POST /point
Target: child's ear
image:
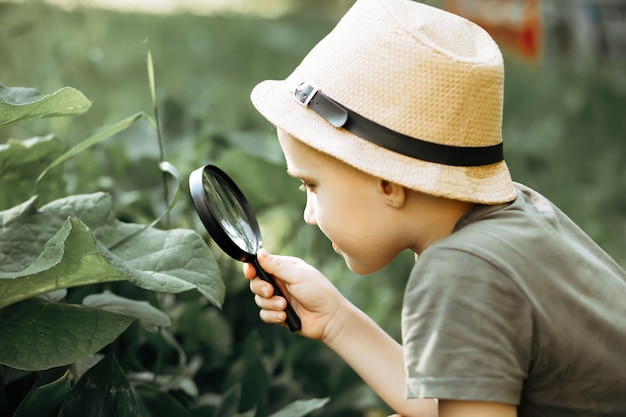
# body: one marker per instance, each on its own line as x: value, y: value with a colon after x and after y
x: 394, y: 194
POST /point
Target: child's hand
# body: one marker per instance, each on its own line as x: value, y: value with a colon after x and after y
x: 310, y: 294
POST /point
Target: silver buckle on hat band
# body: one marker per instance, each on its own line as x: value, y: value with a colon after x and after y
x: 313, y: 98
x: 304, y: 93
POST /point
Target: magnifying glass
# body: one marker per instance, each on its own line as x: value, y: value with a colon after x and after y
x: 230, y: 221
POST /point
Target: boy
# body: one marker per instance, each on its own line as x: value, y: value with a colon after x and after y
x: 393, y: 125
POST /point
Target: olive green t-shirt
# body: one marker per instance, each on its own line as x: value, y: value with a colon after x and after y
x: 518, y: 306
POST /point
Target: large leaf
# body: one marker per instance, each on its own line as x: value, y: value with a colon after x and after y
x: 36, y: 334
x: 41, y: 400
x: 72, y: 257
x: 103, y: 391
x: 46, y: 249
x: 301, y: 408
x: 19, y: 160
x: 172, y: 261
x: 20, y: 104
x: 150, y: 317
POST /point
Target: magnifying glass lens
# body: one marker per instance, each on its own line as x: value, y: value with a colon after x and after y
x: 229, y: 212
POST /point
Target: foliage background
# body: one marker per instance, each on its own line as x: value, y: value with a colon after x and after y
x: 564, y: 136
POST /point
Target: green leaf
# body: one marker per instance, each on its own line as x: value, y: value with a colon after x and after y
x: 172, y: 261
x: 20, y: 104
x: 41, y: 400
x: 166, y: 168
x: 250, y: 413
x: 48, y: 249
x: 103, y: 134
x: 249, y: 373
x: 151, y: 82
x: 151, y: 317
x: 159, y: 403
x: 72, y: 257
x: 19, y: 160
x: 205, y: 331
x: 103, y: 391
x: 36, y: 334
x: 301, y: 408
x: 230, y: 402
x: 255, y: 380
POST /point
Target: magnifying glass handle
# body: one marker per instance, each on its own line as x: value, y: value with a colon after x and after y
x: 293, y: 321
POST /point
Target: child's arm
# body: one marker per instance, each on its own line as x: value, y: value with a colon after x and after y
x: 450, y: 408
x: 328, y: 316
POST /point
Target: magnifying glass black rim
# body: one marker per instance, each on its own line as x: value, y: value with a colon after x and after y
x: 211, y: 222
x: 209, y: 217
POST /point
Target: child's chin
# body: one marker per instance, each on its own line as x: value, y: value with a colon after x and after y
x: 356, y: 267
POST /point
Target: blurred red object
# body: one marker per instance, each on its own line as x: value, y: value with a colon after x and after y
x: 516, y: 25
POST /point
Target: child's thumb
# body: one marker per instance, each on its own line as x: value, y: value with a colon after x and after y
x: 273, y: 264
x: 263, y: 253
x: 265, y: 259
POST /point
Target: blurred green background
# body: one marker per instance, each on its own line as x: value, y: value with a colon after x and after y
x: 564, y: 135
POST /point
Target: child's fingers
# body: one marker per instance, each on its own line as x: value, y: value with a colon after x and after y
x: 248, y: 270
x: 271, y: 309
x: 270, y: 304
x: 261, y: 288
x: 273, y: 317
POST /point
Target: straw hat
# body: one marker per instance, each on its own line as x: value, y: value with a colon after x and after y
x: 405, y: 92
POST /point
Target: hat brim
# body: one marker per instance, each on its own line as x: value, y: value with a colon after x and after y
x: 489, y: 184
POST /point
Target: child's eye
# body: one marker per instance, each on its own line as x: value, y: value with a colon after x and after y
x: 306, y: 186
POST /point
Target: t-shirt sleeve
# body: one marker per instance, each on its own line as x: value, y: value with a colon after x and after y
x: 466, y: 329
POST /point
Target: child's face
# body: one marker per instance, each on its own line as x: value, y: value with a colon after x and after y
x: 346, y: 204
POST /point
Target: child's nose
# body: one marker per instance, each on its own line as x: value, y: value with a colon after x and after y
x: 309, y: 214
